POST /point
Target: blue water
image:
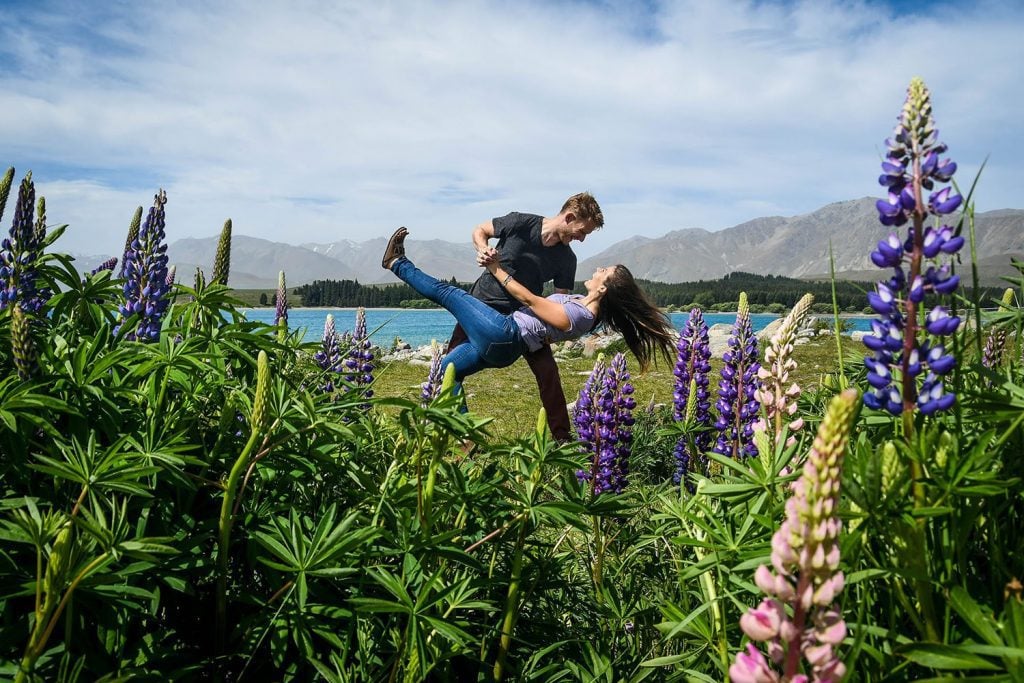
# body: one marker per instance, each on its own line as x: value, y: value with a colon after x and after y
x: 418, y: 327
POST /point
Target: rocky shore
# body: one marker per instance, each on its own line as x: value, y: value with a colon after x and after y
x: 591, y: 345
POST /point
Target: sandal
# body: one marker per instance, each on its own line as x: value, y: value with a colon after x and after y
x: 395, y: 248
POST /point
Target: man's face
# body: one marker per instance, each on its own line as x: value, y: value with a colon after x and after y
x: 576, y: 229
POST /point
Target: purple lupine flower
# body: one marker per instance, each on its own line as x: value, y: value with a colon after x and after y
x: 583, y: 413
x: 776, y: 393
x: 18, y: 254
x: 359, y: 364
x: 909, y: 362
x: 329, y: 355
x: 807, y: 578
x: 604, y: 421
x: 693, y: 363
x: 145, y: 268
x: 109, y: 264
x: 171, y: 274
x: 432, y: 387
x: 737, y: 402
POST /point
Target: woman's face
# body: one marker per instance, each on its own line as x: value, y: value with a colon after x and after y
x: 598, y: 279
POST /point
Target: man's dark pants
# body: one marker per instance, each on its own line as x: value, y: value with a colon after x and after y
x: 549, y: 384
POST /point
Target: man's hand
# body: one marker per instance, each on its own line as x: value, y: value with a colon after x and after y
x: 487, y: 256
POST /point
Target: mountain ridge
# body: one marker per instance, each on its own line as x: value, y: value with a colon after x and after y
x: 795, y: 246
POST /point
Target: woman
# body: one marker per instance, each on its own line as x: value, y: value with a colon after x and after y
x: 496, y: 340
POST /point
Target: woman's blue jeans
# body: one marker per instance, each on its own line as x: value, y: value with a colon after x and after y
x: 494, y: 339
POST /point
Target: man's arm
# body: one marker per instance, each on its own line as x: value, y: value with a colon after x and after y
x: 550, y: 312
x: 481, y: 235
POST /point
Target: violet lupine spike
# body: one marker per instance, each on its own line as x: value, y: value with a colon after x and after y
x: 737, y: 404
x: 18, y: 254
x: 693, y: 365
x: 145, y: 269
x: 172, y: 272
x: 359, y: 364
x: 909, y: 361
x: 604, y: 419
x: 329, y: 355
x: 584, y: 415
x: 776, y: 393
x: 800, y: 620
x: 430, y: 389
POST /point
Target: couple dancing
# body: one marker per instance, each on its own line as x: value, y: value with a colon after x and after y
x: 504, y: 317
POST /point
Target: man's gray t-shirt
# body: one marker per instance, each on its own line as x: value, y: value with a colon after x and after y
x: 526, y: 259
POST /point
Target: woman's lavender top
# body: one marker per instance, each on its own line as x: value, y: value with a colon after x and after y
x: 536, y: 332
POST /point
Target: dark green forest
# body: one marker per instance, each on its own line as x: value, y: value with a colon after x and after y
x: 765, y: 293
x: 349, y: 293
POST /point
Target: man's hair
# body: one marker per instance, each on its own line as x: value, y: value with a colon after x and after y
x: 584, y: 207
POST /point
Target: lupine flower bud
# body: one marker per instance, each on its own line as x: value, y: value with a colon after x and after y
x: 737, y: 404
x: 58, y: 562
x: 604, y: 419
x: 259, y: 404
x: 776, y: 393
x: 5, y: 189
x: 807, y: 579
x: 109, y: 264
x: 222, y: 261
x: 281, y: 306
x: 133, y: 235
x: 23, y: 346
x: 145, y: 268
x: 693, y: 364
x: 995, y: 343
x: 171, y: 272
x: 432, y: 387
x: 902, y: 353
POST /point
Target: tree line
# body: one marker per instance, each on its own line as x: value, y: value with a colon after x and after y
x: 768, y: 293
x: 351, y: 294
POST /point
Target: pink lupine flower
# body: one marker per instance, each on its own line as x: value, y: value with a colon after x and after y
x: 799, y: 619
x: 778, y: 399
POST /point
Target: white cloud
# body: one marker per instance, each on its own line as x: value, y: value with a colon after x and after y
x: 327, y: 121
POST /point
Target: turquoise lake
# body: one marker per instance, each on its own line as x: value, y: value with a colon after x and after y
x: 419, y: 327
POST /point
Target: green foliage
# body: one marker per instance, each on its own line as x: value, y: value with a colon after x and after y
x: 196, y: 508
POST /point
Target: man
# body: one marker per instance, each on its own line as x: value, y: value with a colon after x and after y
x: 534, y: 250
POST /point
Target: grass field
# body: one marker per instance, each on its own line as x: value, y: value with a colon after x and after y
x: 509, y: 395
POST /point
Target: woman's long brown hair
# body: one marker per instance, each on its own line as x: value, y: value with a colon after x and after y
x: 625, y: 308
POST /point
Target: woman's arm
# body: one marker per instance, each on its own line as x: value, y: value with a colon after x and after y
x: 550, y: 312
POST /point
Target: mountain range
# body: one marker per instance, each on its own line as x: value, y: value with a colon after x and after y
x: 796, y: 246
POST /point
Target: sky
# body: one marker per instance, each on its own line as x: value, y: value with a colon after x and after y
x: 312, y: 121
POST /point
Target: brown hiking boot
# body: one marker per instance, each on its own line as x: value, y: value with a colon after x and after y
x: 395, y: 248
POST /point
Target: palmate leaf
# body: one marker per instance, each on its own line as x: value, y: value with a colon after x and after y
x: 99, y: 469
x: 25, y: 403
x: 319, y: 553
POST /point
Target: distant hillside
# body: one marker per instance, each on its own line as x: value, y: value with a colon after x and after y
x: 797, y: 246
